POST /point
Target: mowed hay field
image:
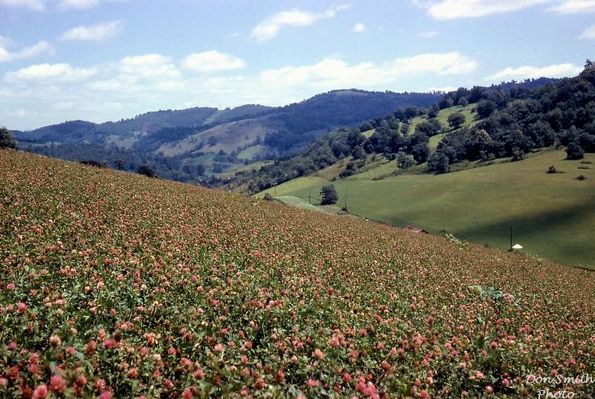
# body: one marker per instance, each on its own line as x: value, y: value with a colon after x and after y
x: 117, y: 285
x: 552, y: 215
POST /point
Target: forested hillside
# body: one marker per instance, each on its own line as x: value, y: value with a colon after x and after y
x: 199, y: 144
x: 483, y: 124
x: 556, y: 114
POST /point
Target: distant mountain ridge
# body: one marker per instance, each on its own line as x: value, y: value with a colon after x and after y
x: 146, y: 123
x: 208, y: 145
x: 209, y: 140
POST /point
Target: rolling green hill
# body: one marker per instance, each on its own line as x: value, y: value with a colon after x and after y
x: 468, y: 111
x: 552, y: 215
x: 495, y: 123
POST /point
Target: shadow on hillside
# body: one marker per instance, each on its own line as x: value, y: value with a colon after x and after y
x: 542, y: 226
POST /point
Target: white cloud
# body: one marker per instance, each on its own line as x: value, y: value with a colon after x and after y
x: 148, y: 66
x: 588, y: 33
x: 359, y: 27
x: 574, y: 7
x: 5, y: 55
x: 144, y: 76
x: 83, y: 4
x: 443, y: 64
x: 428, y: 34
x: 24, y: 113
x: 41, y: 5
x: 533, y: 72
x: 79, y: 4
x: 332, y: 73
x: 453, y: 9
x: 49, y: 73
x: 270, y: 27
x: 212, y: 61
x: 97, y: 32
x: 444, y: 89
x: 37, y: 5
x: 40, y: 48
x: 154, y: 81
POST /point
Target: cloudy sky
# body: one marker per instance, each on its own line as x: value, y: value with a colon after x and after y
x: 103, y: 60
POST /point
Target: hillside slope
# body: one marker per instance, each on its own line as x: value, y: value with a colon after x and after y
x: 175, y: 142
x: 552, y: 215
x: 121, y: 285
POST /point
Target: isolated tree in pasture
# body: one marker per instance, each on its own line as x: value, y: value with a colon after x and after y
x: 574, y: 151
x: 329, y: 195
x: 456, y: 120
x: 6, y: 139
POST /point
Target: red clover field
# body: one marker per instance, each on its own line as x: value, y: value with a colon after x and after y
x: 115, y: 285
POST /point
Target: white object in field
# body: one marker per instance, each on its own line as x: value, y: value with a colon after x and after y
x: 517, y: 246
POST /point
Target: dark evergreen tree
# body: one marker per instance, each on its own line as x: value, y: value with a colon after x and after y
x: 430, y: 128
x: 456, y: 120
x: 438, y: 163
x: 433, y: 111
x: 146, y: 170
x: 485, y: 108
x: 329, y: 195
x: 574, y: 151
x: 404, y: 161
x: 420, y: 152
x: 410, y: 112
x: 355, y: 138
x: 404, y: 130
x: 6, y: 139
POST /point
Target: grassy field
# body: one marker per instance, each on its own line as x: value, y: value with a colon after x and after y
x: 333, y: 170
x: 552, y: 215
x: 226, y: 138
x: 368, y: 133
x: 243, y: 168
x: 251, y: 152
x: 115, y: 285
x: 468, y: 111
x: 435, y: 140
x: 298, y: 203
x: 378, y: 169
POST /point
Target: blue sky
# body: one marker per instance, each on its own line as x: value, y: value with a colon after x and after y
x: 103, y: 60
